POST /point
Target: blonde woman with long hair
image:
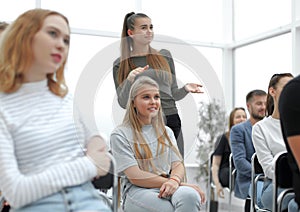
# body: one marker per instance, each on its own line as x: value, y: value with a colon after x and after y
x: 148, y: 160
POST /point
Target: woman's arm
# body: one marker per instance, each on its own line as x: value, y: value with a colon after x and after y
x: 20, y: 189
x: 177, y: 93
x: 144, y: 179
x: 216, y: 162
x: 96, y: 151
x: 294, y: 142
x: 264, y: 154
x: 238, y: 149
x: 124, y: 88
x: 177, y: 171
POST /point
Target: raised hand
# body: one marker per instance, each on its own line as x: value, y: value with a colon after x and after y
x: 193, y: 88
x: 131, y: 76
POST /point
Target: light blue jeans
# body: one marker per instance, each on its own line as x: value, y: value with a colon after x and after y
x: 142, y: 199
x: 293, y: 206
x: 77, y: 198
x: 267, y: 196
x: 260, y: 185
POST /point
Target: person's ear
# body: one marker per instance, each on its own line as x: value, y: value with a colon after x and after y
x: 129, y: 32
x: 248, y: 105
x: 272, y: 91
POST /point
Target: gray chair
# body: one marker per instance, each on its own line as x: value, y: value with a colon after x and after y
x: 283, y: 178
x: 212, y: 186
x: 257, y: 174
x: 109, y: 181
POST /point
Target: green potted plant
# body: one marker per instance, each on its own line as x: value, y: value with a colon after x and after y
x: 212, y: 123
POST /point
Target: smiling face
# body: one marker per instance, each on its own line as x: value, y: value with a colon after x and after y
x: 239, y: 116
x: 50, y: 48
x: 147, y: 103
x: 257, y: 106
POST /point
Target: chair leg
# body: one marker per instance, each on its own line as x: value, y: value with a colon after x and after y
x: 247, y: 205
x: 5, y: 208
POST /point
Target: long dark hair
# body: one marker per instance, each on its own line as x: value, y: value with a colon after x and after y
x: 273, y: 83
x: 156, y: 60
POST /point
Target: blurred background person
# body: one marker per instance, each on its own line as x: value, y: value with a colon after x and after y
x: 220, y: 160
x: 289, y: 109
x: 267, y: 137
x: 43, y: 162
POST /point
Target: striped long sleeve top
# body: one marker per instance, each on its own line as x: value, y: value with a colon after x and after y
x: 41, y: 145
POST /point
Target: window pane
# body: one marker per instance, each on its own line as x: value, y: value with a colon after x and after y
x: 82, y: 49
x: 188, y: 107
x: 93, y: 14
x: 214, y: 57
x: 191, y: 20
x: 9, y: 11
x: 255, y: 64
x: 92, y: 57
x: 256, y: 16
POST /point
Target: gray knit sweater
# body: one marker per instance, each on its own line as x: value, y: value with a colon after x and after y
x: 169, y: 90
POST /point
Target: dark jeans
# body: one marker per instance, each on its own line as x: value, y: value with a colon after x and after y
x: 174, y: 122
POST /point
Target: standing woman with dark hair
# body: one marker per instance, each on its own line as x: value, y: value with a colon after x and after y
x: 43, y: 162
x: 139, y: 58
x: 267, y: 136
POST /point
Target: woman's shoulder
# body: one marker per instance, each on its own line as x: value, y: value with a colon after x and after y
x: 117, y: 62
x: 165, y: 52
x: 262, y: 123
x: 122, y: 130
x: 168, y: 129
x: 241, y: 126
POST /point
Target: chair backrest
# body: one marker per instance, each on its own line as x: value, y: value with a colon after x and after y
x: 257, y: 174
x: 256, y: 165
x: 282, y: 171
x: 232, y: 175
x: 282, y: 178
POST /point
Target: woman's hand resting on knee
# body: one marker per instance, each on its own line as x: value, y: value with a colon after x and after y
x: 198, y: 189
x: 168, y: 188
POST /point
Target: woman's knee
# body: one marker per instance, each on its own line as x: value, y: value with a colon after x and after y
x: 266, y: 200
x: 187, y: 195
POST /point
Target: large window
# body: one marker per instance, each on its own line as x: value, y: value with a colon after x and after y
x: 253, y: 17
x: 255, y: 64
x: 9, y: 10
x: 93, y: 14
x: 187, y: 20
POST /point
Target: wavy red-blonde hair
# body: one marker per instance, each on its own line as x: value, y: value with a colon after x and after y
x: 16, y: 55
